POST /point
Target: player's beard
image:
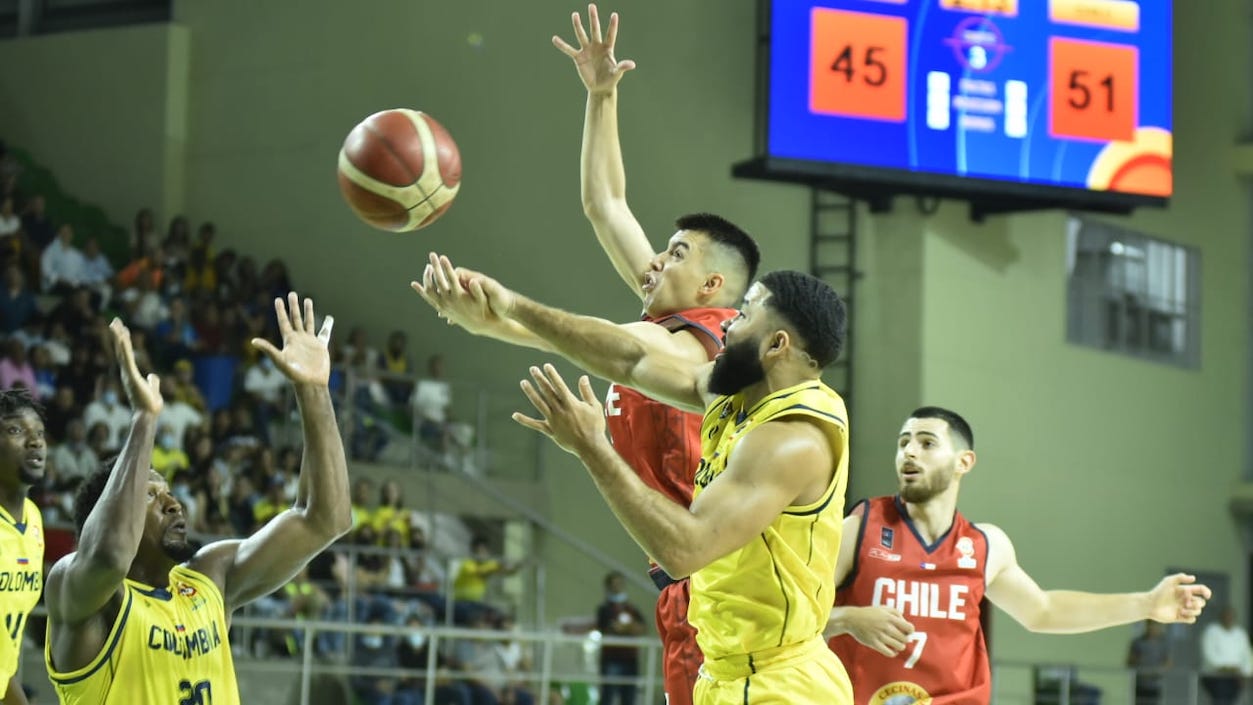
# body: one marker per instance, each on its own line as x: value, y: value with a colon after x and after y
x: 179, y: 550
x: 920, y: 492
x: 736, y: 368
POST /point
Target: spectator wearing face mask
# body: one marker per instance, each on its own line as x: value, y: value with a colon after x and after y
x: 615, y: 617
x: 413, y: 654
x: 108, y: 409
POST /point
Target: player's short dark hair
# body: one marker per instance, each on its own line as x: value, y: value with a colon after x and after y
x: 13, y: 401
x: 723, y: 232
x: 958, y: 429
x: 89, y: 491
x: 812, y: 308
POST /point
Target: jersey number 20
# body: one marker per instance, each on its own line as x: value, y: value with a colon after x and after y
x: 200, y: 693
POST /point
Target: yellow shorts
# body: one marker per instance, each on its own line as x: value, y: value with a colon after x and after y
x: 797, y: 674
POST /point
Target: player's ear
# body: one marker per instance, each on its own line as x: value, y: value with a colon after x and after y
x: 965, y: 461
x: 713, y: 284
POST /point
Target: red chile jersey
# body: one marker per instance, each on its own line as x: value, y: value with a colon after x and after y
x: 662, y: 443
x: 938, y: 588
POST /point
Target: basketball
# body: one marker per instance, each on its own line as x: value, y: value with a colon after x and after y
x: 399, y: 170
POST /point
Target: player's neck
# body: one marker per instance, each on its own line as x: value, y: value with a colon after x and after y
x: 933, y: 517
x: 151, y: 570
x: 13, y: 499
x: 775, y: 380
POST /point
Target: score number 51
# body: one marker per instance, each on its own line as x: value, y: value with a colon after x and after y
x: 1095, y: 89
x: 857, y: 64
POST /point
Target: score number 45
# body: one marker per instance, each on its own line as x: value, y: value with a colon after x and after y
x: 857, y: 65
x: 874, y: 72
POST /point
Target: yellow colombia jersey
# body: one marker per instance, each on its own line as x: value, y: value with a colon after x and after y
x: 167, y: 646
x: 778, y: 589
x: 21, y: 580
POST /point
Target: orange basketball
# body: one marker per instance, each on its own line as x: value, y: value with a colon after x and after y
x: 399, y: 170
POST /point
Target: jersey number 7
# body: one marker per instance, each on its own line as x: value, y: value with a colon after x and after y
x: 921, y: 638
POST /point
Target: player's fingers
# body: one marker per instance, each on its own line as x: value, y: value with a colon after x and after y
x: 479, y: 296
x: 536, y: 399
x: 546, y: 388
x: 593, y: 22
x: 558, y: 382
x: 266, y: 347
x: 624, y: 66
x: 579, y: 32
x: 437, y: 274
x: 450, y: 273
x: 324, y: 335
x: 154, y: 384
x: 293, y: 308
x: 280, y: 312
x: 883, y: 649
x: 533, y: 424
x: 564, y: 48
x: 611, y: 35
x: 585, y: 389
x: 903, y: 625
x: 310, y: 321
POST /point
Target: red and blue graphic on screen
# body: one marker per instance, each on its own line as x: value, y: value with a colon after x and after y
x: 1070, y: 93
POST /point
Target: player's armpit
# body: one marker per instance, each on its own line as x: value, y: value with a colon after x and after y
x: 776, y: 465
x: 1009, y: 587
x: 247, y: 569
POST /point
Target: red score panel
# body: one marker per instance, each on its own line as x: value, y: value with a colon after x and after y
x: 1095, y: 90
x: 857, y: 64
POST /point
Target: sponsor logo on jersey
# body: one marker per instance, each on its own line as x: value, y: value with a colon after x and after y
x: 876, y: 552
x: 900, y: 693
x: 966, y: 547
x: 885, y: 537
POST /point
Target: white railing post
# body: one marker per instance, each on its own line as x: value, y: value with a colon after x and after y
x: 306, y: 665
x: 546, y: 672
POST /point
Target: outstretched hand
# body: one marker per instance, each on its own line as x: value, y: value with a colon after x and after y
x: 1178, y: 598
x: 305, y: 358
x: 594, y: 58
x: 574, y: 423
x: 143, y: 393
x: 463, y: 297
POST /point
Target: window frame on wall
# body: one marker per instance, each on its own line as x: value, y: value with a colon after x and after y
x: 1132, y: 293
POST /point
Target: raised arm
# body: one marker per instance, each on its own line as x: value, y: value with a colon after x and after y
x: 603, y: 178
x: 268, y: 559
x: 1177, y: 598
x: 748, y: 496
x: 82, y: 583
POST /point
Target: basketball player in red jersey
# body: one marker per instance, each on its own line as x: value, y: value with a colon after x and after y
x: 688, y: 290
x: 906, y: 620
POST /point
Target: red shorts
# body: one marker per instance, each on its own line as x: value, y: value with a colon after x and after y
x: 680, y: 656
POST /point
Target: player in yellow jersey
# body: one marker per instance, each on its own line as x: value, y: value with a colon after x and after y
x: 769, y: 497
x: 23, y: 451
x: 138, y: 616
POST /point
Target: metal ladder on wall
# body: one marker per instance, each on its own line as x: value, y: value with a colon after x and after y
x: 833, y: 259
